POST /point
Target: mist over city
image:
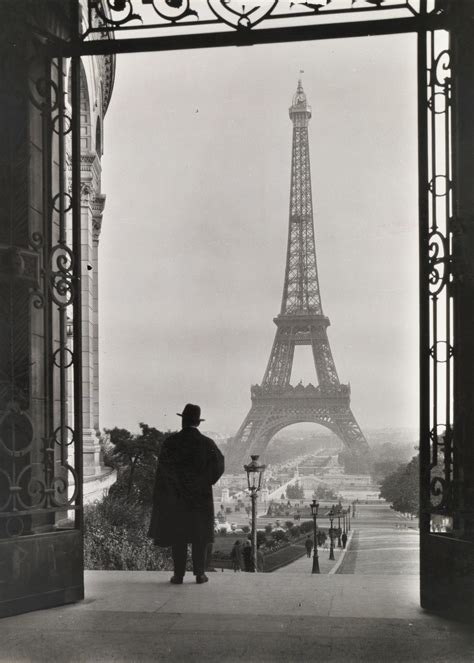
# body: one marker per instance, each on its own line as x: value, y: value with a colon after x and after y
x: 208, y: 202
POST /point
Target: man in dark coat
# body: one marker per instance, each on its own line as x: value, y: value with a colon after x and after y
x: 183, y: 509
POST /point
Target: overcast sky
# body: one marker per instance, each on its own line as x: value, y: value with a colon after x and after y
x: 196, y: 171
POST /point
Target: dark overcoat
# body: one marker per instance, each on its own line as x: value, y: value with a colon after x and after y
x: 183, y: 509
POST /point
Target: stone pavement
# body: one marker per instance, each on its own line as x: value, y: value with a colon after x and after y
x: 383, y: 543
x: 305, y: 564
x: 139, y: 616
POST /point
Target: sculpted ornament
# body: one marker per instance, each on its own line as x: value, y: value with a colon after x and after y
x: 86, y: 191
x: 96, y: 227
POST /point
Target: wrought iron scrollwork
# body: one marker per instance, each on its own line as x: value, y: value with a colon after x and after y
x: 441, y: 69
x: 438, y: 256
x: 438, y: 477
x: 173, y: 10
x: 60, y: 273
x: 116, y: 15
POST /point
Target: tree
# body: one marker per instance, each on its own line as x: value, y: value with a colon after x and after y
x: 387, y: 457
x: 135, y: 457
x: 324, y: 492
x: 295, y: 492
x: 354, y: 463
x: 401, y: 487
x: 382, y: 468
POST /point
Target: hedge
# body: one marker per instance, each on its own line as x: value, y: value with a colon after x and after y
x: 283, y: 557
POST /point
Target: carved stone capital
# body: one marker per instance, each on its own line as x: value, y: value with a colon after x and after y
x: 98, y: 204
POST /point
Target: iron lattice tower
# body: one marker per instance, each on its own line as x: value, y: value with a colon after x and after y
x: 276, y: 403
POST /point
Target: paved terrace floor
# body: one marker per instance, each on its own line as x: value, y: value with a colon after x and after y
x: 140, y: 616
x: 368, y: 611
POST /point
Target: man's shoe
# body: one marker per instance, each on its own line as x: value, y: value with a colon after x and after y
x: 176, y: 580
x: 201, y: 579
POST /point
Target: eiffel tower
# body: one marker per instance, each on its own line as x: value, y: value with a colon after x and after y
x: 276, y: 403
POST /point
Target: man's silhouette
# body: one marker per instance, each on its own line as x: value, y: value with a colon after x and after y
x: 183, y: 509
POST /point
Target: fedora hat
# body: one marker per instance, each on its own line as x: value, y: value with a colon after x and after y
x: 191, y: 413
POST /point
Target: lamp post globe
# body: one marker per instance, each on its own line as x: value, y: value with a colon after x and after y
x: 314, y: 512
x: 254, y: 471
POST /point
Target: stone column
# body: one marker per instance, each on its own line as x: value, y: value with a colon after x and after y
x: 90, y: 177
x: 97, y: 211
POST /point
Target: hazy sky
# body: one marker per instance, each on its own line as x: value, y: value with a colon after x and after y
x: 192, y: 253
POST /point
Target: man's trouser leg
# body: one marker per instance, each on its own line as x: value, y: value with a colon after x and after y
x: 180, y: 553
x: 199, y: 557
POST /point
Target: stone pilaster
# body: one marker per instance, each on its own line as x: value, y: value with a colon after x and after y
x: 97, y: 211
x: 90, y: 178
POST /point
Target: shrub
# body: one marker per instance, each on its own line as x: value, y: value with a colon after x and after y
x: 228, y: 509
x: 268, y: 528
x: 306, y: 526
x: 295, y: 531
x: 261, y: 538
x: 279, y: 535
x: 289, y: 524
x: 245, y: 529
x: 223, y: 531
x: 115, y: 538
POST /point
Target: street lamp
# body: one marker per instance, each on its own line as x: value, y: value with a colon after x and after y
x: 339, y: 542
x: 331, y: 534
x: 348, y: 518
x: 254, y: 480
x: 314, y: 512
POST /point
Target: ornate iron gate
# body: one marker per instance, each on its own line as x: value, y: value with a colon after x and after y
x: 41, y: 560
x: 446, y: 549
